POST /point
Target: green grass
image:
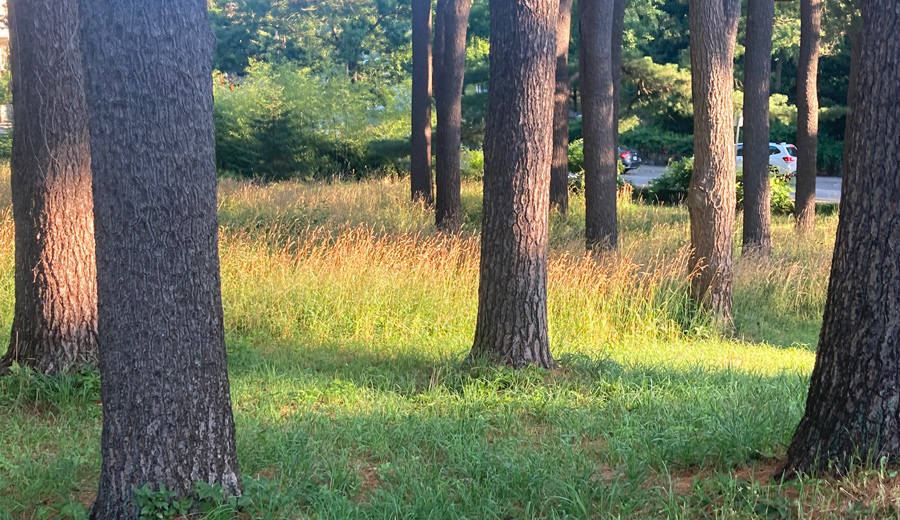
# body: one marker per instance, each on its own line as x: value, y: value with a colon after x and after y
x: 347, y: 318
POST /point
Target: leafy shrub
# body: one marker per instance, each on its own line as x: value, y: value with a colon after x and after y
x: 472, y: 164
x: 779, y: 192
x: 652, y: 140
x: 281, y: 122
x: 6, y: 145
x: 672, y: 186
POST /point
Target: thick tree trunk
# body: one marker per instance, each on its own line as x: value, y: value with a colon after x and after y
x: 420, y: 159
x: 757, y: 239
x: 711, y: 195
x: 455, y: 21
x: 807, y: 113
x: 599, y: 125
x: 166, y: 403
x: 55, y: 323
x: 559, y: 169
x: 853, y: 405
x: 512, y: 296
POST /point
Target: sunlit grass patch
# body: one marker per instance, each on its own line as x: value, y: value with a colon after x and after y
x: 348, y: 317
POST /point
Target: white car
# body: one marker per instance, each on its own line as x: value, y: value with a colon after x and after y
x: 781, y: 155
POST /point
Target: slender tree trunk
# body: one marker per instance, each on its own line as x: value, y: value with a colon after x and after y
x: 599, y: 126
x: 420, y: 161
x: 807, y: 113
x: 455, y: 18
x: 559, y: 169
x: 55, y: 322
x: 853, y: 404
x: 166, y: 403
x: 711, y: 195
x: 757, y: 237
x: 512, y: 296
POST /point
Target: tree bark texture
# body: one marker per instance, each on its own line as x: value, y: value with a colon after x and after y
x: 807, y: 113
x: 853, y: 405
x: 420, y: 160
x: 757, y: 237
x: 512, y: 297
x: 559, y: 169
x: 55, y: 321
x: 455, y: 21
x: 166, y: 404
x: 711, y: 195
x: 598, y: 120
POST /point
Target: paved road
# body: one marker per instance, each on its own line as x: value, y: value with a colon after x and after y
x: 828, y: 189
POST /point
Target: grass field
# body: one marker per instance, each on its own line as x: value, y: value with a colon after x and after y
x: 347, y: 318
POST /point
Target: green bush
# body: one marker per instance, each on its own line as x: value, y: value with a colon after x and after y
x: 652, y: 140
x: 779, y: 192
x: 672, y: 187
x: 6, y: 145
x: 472, y: 164
x: 282, y: 122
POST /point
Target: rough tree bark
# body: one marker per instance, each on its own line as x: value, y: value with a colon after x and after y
x: 420, y: 141
x: 559, y: 169
x: 166, y: 405
x: 55, y: 322
x: 512, y: 296
x: 757, y: 236
x: 807, y: 114
x: 853, y: 405
x: 455, y: 21
x: 711, y: 195
x: 599, y: 125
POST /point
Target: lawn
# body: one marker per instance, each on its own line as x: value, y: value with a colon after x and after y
x: 348, y: 318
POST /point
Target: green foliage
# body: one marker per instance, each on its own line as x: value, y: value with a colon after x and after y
x: 779, y: 192
x: 659, y: 94
x: 830, y: 152
x: 5, y: 146
x: 160, y: 504
x: 282, y: 122
x: 472, y: 164
x: 653, y: 140
x: 672, y: 186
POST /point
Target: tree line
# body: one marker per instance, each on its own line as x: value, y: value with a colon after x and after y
x: 114, y: 201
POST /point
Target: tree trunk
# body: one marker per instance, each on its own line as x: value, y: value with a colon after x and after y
x: 166, y: 403
x: 711, y: 195
x: 599, y: 127
x: 757, y: 239
x: 455, y: 20
x: 559, y: 169
x: 853, y: 404
x: 807, y: 114
x: 420, y: 160
x: 512, y: 296
x: 55, y: 322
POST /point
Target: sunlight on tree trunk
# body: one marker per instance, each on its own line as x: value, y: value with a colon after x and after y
x: 420, y: 160
x: 807, y: 113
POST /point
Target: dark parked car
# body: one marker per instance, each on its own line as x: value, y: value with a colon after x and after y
x: 630, y: 159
